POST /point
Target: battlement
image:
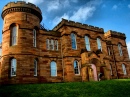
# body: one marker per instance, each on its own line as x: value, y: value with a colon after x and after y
x: 21, y: 6
x: 78, y: 25
x: 115, y: 34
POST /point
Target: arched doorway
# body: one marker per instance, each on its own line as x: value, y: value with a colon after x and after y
x: 94, y: 72
x: 94, y: 63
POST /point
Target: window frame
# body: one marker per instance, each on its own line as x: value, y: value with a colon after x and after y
x: 13, y: 62
x: 87, y: 43
x: 77, y: 69
x: 73, y: 41
x: 53, y: 69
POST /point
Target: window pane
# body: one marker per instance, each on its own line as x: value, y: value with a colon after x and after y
x: 53, y: 69
x: 87, y: 43
x: 73, y: 41
x: 76, y: 67
x: 13, y: 67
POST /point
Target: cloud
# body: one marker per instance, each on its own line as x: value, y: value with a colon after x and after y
x: 79, y: 15
x: 59, y: 4
x: 115, y: 7
x: 129, y: 6
x: 36, y: 2
x: 128, y: 47
x: 82, y: 14
x: 53, y: 5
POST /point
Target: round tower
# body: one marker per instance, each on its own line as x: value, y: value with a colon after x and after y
x: 20, y: 46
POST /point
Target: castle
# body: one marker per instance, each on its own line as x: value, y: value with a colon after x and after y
x: 70, y: 52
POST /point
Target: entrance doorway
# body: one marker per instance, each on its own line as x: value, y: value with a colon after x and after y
x: 94, y: 72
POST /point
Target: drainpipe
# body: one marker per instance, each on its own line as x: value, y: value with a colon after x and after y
x: 62, y: 58
x: 114, y: 61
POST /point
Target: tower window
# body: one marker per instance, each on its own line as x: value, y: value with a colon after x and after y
x: 13, y: 67
x: 73, y: 41
x: 99, y: 44
x: 87, y: 43
x: 35, y: 67
x: 14, y: 35
x: 34, y: 38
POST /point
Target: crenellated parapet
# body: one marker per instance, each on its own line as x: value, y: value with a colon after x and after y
x: 115, y: 34
x: 78, y: 25
x: 21, y: 6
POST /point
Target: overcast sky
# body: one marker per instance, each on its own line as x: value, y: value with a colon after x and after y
x: 108, y: 14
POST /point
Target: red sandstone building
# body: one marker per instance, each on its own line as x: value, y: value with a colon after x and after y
x: 71, y: 51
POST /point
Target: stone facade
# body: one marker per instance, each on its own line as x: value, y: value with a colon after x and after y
x: 27, y: 17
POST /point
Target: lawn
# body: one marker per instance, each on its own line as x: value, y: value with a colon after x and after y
x: 109, y: 88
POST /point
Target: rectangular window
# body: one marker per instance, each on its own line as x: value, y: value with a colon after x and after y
x: 13, y: 67
x: 56, y: 45
x: 34, y: 38
x: 48, y: 44
x: 35, y: 68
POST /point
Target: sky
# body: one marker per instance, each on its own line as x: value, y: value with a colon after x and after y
x: 107, y: 14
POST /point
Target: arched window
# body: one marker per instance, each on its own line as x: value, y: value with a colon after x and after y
x: 56, y: 45
x: 35, y: 67
x: 48, y: 44
x: 34, y: 37
x: 53, y: 69
x: 120, y: 49
x: 73, y: 41
x: 13, y: 67
x: 14, y: 30
x: 76, y: 67
x: 87, y: 43
x: 99, y: 44
x: 124, y: 69
x: 111, y: 69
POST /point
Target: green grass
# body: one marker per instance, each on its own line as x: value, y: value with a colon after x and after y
x: 111, y: 88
